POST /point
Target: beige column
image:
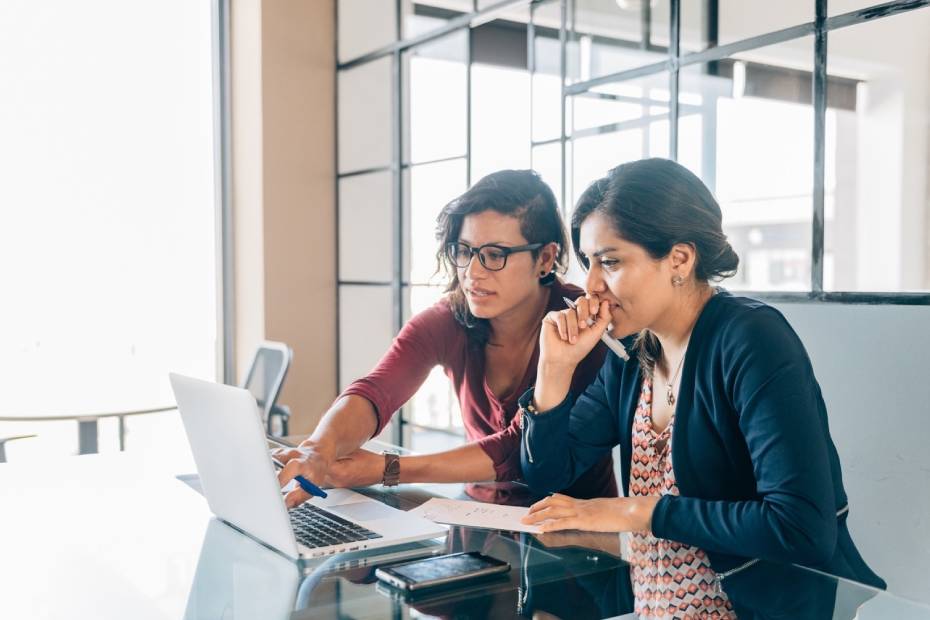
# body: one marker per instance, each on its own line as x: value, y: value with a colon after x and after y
x: 283, y: 137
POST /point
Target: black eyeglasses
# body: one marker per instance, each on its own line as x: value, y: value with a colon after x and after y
x: 493, y: 257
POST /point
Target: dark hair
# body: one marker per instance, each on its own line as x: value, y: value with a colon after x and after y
x: 518, y: 193
x: 657, y: 203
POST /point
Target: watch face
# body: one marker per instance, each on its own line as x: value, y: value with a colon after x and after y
x: 393, y: 467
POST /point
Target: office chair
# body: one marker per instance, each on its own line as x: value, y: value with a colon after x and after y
x: 3, y: 441
x: 265, y: 379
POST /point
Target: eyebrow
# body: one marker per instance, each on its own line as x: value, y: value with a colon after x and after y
x: 603, y: 251
x: 503, y: 244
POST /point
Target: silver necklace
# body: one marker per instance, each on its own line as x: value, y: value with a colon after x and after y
x: 669, y: 394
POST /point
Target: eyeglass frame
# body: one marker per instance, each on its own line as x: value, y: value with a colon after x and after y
x: 506, y: 250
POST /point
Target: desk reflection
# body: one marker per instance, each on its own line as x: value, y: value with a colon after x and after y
x: 238, y: 577
x: 561, y: 575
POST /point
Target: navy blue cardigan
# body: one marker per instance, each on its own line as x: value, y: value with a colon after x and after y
x: 757, y: 471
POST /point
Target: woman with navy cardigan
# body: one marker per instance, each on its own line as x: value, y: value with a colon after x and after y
x: 725, y: 447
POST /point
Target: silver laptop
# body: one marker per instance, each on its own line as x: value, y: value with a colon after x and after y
x: 227, y: 439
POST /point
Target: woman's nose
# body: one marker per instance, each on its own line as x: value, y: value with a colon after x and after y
x: 594, y: 283
x: 475, y: 269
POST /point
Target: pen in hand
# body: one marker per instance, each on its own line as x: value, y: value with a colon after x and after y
x: 309, y: 487
x: 304, y: 484
x: 613, y: 345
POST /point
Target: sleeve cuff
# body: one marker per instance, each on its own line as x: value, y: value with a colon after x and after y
x: 369, y: 394
x: 661, y: 519
x: 525, y: 403
x: 504, y: 451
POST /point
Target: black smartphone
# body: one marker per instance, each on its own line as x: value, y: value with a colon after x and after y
x: 445, y: 570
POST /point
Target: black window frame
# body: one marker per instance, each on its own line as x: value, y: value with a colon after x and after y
x: 714, y: 56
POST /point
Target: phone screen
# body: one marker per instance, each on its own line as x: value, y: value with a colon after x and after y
x: 442, y: 568
x: 445, y: 569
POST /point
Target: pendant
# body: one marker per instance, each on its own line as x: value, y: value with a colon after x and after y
x: 669, y: 397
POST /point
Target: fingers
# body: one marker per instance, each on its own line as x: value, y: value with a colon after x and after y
x: 554, y: 500
x: 562, y: 323
x: 594, y: 304
x: 287, y: 473
x: 567, y: 323
x: 557, y: 320
x: 555, y: 525
x: 571, y: 325
x: 283, y: 455
x: 553, y: 512
x: 295, y: 497
x: 582, y: 308
x: 603, y: 316
x: 540, y: 505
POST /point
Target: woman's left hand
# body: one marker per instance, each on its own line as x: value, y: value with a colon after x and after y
x: 360, y: 468
x: 603, y: 514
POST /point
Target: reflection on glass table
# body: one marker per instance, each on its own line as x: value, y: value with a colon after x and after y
x: 117, y: 536
x: 561, y: 575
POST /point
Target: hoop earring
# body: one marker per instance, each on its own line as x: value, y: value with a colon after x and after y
x: 677, y: 280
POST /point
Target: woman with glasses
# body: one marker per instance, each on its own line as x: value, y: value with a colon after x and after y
x: 502, y: 244
x: 727, y: 454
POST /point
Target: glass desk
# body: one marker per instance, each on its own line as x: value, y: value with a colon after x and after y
x: 113, y: 536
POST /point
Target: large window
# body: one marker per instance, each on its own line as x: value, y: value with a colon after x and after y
x: 808, y: 120
x: 107, y: 216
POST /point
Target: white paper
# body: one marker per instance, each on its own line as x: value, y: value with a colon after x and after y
x: 475, y: 514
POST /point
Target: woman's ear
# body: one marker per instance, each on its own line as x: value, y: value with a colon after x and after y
x: 547, y: 255
x: 684, y: 259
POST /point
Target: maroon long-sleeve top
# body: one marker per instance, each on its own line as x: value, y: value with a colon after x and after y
x: 433, y: 338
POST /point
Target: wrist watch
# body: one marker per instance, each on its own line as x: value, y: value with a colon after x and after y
x: 391, y: 469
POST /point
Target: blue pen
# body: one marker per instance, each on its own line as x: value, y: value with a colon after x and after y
x: 309, y: 487
x: 305, y: 484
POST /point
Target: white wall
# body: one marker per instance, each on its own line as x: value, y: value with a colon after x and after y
x: 871, y: 362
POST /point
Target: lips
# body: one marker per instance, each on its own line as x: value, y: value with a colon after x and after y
x: 479, y: 293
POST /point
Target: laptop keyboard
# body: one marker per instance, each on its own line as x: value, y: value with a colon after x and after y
x: 314, y: 527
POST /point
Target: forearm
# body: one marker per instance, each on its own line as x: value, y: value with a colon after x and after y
x: 467, y: 463
x: 545, y: 455
x: 775, y: 531
x: 564, y: 441
x: 553, y: 382
x: 349, y: 422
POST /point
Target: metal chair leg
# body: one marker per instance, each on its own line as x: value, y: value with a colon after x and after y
x: 87, y: 436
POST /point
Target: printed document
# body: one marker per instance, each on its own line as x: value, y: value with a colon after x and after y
x: 475, y: 514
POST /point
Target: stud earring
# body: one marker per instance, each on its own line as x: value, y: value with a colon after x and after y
x: 677, y: 280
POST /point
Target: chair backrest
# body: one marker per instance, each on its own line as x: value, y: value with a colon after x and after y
x: 266, y: 374
x: 871, y: 363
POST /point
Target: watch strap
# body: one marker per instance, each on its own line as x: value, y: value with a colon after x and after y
x: 391, y: 475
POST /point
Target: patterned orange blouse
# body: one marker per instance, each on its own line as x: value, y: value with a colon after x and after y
x: 670, y: 579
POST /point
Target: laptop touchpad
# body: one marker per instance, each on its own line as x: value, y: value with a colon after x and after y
x: 364, y: 511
